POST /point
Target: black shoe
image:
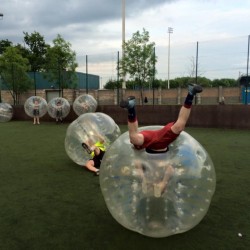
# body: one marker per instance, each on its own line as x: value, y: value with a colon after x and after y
x: 86, y: 147
x: 129, y: 103
x: 193, y: 89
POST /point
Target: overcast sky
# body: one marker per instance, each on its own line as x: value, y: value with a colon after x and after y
x: 218, y: 28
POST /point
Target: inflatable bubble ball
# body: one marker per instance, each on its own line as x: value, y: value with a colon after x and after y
x: 35, y: 102
x: 161, y: 194
x: 89, y: 128
x: 84, y: 104
x: 6, y: 112
x: 58, y: 107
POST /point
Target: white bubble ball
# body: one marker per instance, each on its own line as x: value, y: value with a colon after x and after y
x: 6, y: 112
x: 88, y: 127
x: 84, y: 104
x: 58, y: 106
x: 158, y: 195
x: 29, y: 106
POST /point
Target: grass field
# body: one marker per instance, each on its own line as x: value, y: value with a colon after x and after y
x: 49, y: 202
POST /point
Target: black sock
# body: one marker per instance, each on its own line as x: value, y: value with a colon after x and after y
x: 131, y: 115
x: 189, y: 100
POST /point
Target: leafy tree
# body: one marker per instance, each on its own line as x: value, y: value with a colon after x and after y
x: 181, y: 82
x: 13, y: 69
x: 111, y: 84
x: 35, y: 52
x: 139, y: 59
x: 23, y: 51
x: 37, y: 48
x: 226, y: 82
x: 4, y: 44
x: 61, y: 64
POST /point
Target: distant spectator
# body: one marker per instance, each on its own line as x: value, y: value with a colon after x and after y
x: 146, y: 99
x: 36, y: 111
x: 222, y: 101
x: 59, y: 115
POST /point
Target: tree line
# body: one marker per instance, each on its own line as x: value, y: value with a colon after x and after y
x: 58, y: 63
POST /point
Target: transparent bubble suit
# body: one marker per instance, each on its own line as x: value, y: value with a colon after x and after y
x: 88, y: 126
x: 58, y: 104
x: 6, y: 112
x: 129, y: 191
x: 29, y: 106
x: 84, y: 104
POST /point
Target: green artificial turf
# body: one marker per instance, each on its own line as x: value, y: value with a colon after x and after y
x: 49, y: 202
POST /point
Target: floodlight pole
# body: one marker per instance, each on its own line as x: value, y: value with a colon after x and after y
x: 170, y: 31
x: 247, y: 83
x: 1, y: 17
x: 87, y: 78
x: 248, y: 53
x: 123, y: 40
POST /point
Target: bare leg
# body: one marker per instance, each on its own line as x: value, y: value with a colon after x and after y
x: 34, y: 122
x: 160, y: 187
x: 185, y: 110
x: 135, y: 137
x: 140, y: 172
x: 90, y: 166
x: 182, y: 120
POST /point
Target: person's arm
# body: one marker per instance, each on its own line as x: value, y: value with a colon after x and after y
x: 160, y: 187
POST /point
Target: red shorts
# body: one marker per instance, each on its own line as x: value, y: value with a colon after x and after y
x: 158, y: 139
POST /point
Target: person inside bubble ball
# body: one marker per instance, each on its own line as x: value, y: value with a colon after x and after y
x: 151, y: 184
x: 59, y: 112
x: 97, y: 151
x: 36, y: 111
x: 85, y: 107
x: 157, y: 141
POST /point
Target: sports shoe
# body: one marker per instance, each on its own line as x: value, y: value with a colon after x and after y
x: 97, y: 172
x: 129, y: 103
x: 86, y: 147
x: 193, y: 89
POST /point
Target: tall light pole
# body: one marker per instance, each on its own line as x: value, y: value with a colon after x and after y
x: 1, y: 17
x: 170, y: 31
x: 123, y: 38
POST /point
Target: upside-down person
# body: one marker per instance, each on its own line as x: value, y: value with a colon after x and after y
x: 96, y: 151
x: 157, y: 141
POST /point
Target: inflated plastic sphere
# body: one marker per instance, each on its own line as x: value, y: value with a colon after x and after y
x: 89, y: 126
x: 30, y: 104
x: 158, y: 195
x: 6, y: 112
x: 58, y: 106
x: 84, y: 104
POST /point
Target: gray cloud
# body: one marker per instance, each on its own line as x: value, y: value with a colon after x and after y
x: 52, y: 17
x: 93, y: 27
